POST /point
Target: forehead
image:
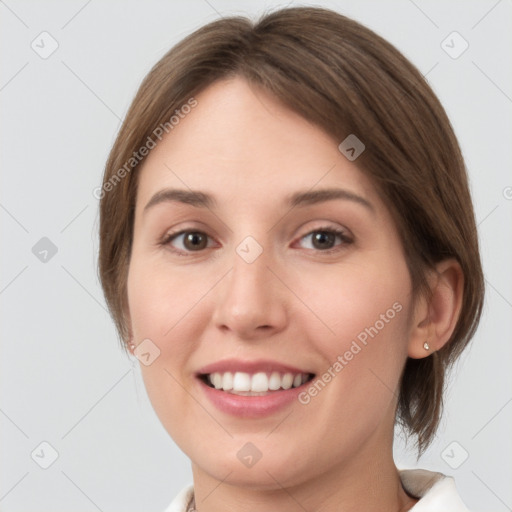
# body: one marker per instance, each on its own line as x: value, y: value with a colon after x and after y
x: 241, y: 140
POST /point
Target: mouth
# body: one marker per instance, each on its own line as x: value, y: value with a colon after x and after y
x: 254, y: 384
x: 254, y: 388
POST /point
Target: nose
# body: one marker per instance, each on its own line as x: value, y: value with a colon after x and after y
x: 251, y: 301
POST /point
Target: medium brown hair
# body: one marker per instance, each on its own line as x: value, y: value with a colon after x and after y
x: 345, y: 79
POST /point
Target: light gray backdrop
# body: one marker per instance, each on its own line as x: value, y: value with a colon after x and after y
x: 69, y: 71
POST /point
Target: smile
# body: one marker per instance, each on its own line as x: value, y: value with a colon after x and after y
x: 252, y: 389
x: 257, y: 384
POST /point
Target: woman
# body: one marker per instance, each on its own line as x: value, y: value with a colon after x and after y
x: 288, y: 246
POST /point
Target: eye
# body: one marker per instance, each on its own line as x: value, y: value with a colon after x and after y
x: 187, y: 241
x: 324, y: 239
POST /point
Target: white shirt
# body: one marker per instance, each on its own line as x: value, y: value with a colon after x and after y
x: 436, y: 492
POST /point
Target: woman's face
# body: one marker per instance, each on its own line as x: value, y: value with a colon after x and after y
x: 248, y: 286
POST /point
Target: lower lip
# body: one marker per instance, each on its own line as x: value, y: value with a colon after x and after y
x: 251, y: 406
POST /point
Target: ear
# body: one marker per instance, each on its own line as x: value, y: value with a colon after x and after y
x: 435, y: 319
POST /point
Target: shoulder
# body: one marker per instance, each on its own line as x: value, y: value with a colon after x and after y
x: 436, y: 491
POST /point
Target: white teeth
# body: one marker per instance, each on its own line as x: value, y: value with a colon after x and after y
x: 261, y: 382
x: 216, y: 379
x: 242, y: 382
x: 227, y: 381
x: 287, y: 381
x: 274, y: 381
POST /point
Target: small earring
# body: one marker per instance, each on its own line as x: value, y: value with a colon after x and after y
x: 426, y: 346
x: 132, y: 347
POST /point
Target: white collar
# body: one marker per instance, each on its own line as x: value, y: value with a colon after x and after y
x: 436, y: 492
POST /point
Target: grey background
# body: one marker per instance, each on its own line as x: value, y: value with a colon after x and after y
x: 64, y: 379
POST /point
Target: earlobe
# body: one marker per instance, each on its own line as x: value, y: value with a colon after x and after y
x: 435, y: 319
x: 129, y: 344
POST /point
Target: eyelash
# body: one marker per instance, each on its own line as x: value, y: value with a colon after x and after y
x: 346, y: 240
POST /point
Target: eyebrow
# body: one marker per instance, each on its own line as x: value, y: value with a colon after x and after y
x: 203, y: 200
x: 327, y: 194
x: 192, y: 197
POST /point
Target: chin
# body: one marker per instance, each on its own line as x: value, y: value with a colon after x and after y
x: 271, y: 471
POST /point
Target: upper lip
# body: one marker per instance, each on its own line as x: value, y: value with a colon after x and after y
x: 254, y: 366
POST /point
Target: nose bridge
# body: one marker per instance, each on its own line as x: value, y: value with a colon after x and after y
x: 250, y: 299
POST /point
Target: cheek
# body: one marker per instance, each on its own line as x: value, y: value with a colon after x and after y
x: 160, y: 300
x: 367, y: 305
x: 355, y: 300
x: 161, y: 307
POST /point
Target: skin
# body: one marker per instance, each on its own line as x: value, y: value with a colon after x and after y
x: 295, y: 304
